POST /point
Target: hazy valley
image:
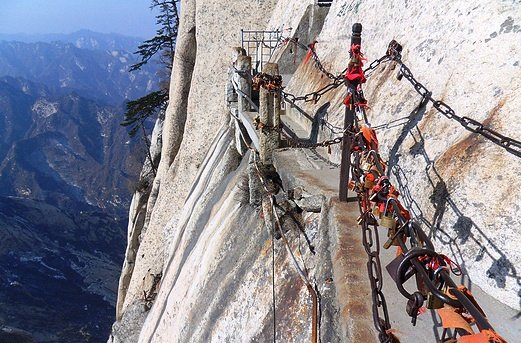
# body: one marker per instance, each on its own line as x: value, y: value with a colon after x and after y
x: 67, y: 169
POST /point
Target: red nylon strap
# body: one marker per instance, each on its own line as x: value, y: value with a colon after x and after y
x: 310, y: 51
x: 355, y: 71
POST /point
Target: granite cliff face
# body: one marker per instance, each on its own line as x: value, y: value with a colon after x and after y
x: 201, y: 255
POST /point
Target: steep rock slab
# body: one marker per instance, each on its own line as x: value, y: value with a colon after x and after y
x: 218, y: 283
x: 196, y: 109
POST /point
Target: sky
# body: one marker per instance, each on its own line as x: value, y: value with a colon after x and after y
x: 127, y: 17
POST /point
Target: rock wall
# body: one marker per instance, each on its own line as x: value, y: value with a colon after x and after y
x: 457, y: 182
x: 206, y: 36
x: 459, y: 185
x: 453, y: 180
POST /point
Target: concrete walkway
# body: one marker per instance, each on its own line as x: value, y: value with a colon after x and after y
x: 310, y: 175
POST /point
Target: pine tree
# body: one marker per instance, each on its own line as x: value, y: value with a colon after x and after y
x: 164, y: 40
x: 162, y: 45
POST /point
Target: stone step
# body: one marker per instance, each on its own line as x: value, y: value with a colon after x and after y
x: 306, y: 171
x: 293, y: 128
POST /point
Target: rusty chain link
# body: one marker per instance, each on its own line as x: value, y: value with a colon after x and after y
x: 393, y: 123
x: 338, y: 80
x: 313, y: 96
x: 371, y: 242
x: 375, y: 64
x: 419, y: 244
x: 416, y: 251
x: 511, y: 145
x: 270, y: 82
x: 296, y: 143
x: 417, y: 255
x: 318, y: 64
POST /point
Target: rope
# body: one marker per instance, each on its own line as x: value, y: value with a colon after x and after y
x: 273, y: 284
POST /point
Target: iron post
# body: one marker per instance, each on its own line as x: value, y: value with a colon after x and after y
x: 349, y: 117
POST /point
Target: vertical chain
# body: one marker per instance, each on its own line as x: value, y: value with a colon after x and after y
x: 371, y: 242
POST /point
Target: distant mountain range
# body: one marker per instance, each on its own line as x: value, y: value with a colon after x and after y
x: 62, y: 67
x: 67, y: 169
x: 65, y: 150
x: 82, y: 39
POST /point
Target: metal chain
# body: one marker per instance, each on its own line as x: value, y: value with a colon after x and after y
x: 374, y: 270
x: 375, y: 64
x: 392, y: 123
x: 318, y: 64
x: 417, y: 252
x: 313, y: 96
x: 332, y: 128
x: 370, y: 238
x: 511, y: 145
x: 371, y: 244
x: 418, y: 241
x: 296, y: 143
x: 270, y: 82
x: 337, y: 80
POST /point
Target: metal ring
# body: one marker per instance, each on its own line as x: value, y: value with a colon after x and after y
x: 409, y: 259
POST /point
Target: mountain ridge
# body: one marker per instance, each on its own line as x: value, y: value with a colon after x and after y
x: 62, y: 67
x: 83, y: 38
x: 67, y: 168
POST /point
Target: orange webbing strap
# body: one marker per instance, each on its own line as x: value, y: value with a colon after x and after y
x: 485, y: 336
x: 450, y: 319
x: 370, y: 138
x: 393, y: 193
x: 308, y: 56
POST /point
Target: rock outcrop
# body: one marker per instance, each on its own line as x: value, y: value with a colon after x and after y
x: 209, y: 245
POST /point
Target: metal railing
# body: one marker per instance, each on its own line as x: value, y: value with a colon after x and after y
x: 260, y: 45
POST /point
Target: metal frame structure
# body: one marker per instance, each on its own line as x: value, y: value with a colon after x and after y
x: 324, y: 3
x: 260, y: 45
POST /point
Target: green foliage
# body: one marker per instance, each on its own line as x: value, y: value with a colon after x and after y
x: 163, y: 43
x: 164, y: 40
x: 140, y: 109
